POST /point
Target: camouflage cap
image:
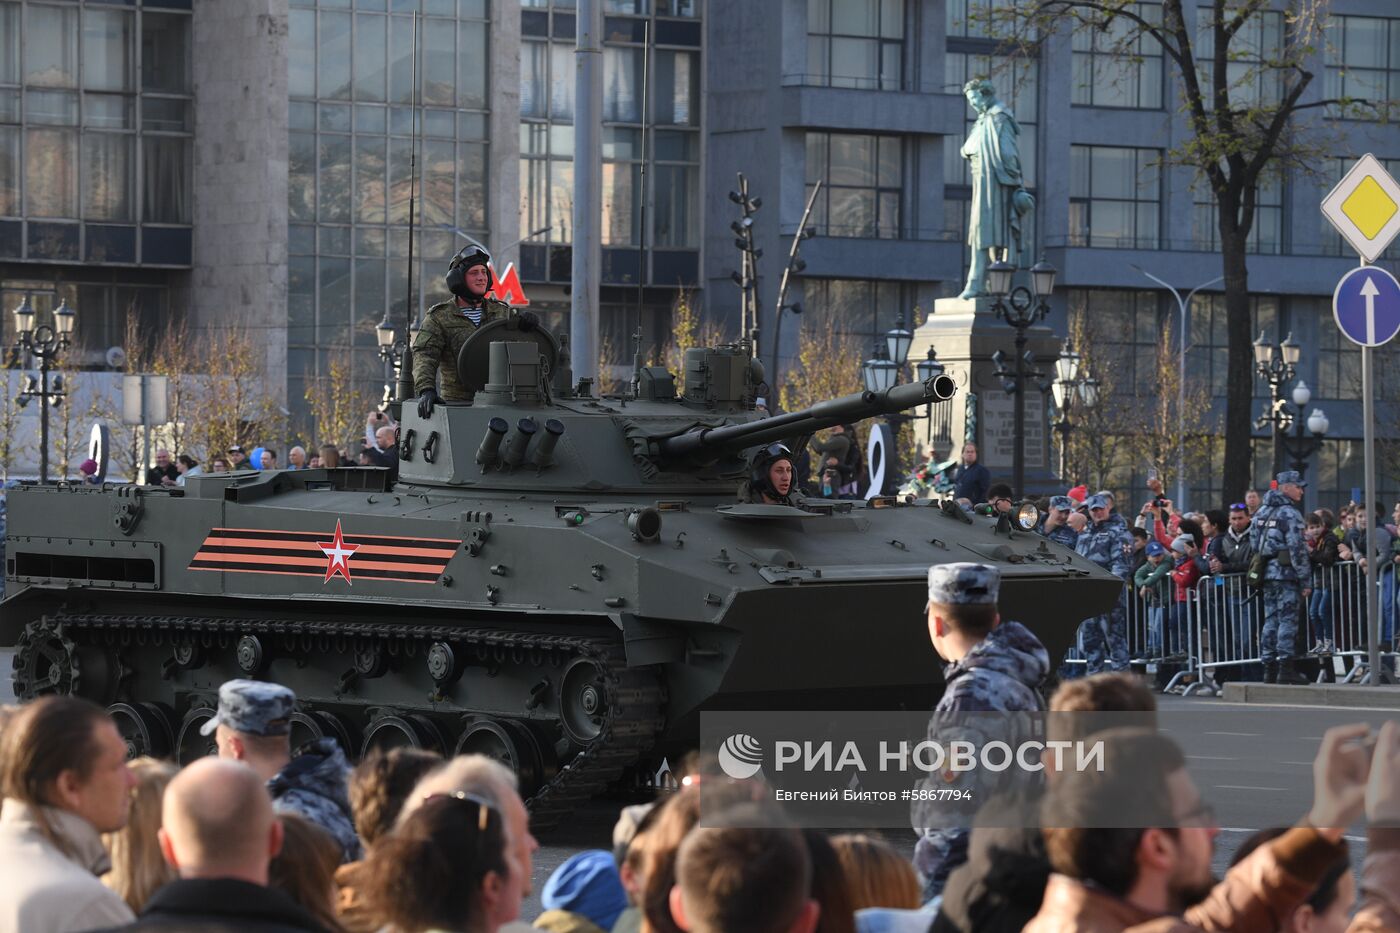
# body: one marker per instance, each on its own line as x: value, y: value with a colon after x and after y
x: 1290, y: 476
x: 963, y: 584
x: 253, y: 706
x: 1063, y: 503
x: 1096, y: 501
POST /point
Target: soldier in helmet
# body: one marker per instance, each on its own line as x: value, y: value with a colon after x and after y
x: 253, y: 725
x: 994, y: 667
x: 772, y: 477
x: 450, y: 323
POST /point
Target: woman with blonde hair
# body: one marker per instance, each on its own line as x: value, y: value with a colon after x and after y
x: 876, y: 875
x: 137, y: 866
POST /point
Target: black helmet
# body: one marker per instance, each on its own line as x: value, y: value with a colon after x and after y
x: 456, y: 278
x: 763, y: 461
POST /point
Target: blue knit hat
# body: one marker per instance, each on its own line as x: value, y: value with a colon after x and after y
x: 587, y: 884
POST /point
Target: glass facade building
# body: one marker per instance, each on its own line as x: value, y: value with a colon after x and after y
x: 354, y: 134
x: 96, y: 135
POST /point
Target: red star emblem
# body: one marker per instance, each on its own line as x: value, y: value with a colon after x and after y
x: 337, y: 556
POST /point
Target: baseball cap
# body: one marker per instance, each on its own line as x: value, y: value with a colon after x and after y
x: 1155, y: 549
x: 963, y: 584
x: 253, y: 706
x: 1291, y: 476
x: 1096, y: 502
x: 1064, y: 503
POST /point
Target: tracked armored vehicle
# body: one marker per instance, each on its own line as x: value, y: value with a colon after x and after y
x: 560, y: 580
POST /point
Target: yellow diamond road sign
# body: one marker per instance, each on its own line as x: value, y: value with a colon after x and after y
x: 1365, y: 207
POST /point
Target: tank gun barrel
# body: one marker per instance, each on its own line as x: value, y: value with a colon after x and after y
x: 856, y: 407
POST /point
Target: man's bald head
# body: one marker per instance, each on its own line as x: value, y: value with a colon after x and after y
x: 217, y: 822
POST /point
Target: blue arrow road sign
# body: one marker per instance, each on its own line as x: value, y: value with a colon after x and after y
x: 1366, y: 305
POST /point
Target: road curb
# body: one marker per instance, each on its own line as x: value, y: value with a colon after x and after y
x: 1352, y: 695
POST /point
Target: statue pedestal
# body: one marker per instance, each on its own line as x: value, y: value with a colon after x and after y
x: 965, y: 332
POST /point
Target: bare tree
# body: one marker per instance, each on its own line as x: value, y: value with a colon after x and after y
x: 1098, y: 446
x: 1166, y: 426
x: 1241, y: 91
x: 338, y: 401
x: 14, y: 445
x: 689, y: 328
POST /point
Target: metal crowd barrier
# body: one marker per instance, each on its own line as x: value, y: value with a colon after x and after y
x: 1220, y: 623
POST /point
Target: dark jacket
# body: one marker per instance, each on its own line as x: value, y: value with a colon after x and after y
x: 154, y: 475
x: 1001, y: 885
x: 222, y: 905
x: 1233, y: 553
x: 1323, y: 553
x: 971, y: 483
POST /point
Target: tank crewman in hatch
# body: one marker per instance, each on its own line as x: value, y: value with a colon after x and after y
x: 450, y: 323
x: 772, y: 477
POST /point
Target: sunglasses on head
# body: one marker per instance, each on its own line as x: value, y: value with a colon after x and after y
x: 482, y: 806
x: 1238, y: 507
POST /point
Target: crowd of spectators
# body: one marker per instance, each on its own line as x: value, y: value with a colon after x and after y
x: 90, y: 841
x: 379, y: 448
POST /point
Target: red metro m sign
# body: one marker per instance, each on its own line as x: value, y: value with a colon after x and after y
x: 507, y: 287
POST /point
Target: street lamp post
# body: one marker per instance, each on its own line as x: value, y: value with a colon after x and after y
x: 1069, y: 382
x: 1277, y: 365
x: 881, y: 372
x: 1300, y: 447
x: 1020, y: 307
x: 391, y: 351
x: 1183, y: 306
x: 46, y: 342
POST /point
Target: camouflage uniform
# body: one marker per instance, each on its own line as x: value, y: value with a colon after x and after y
x: 1108, y: 544
x: 1061, y: 534
x: 313, y: 784
x: 1277, y: 531
x: 435, y: 351
x: 1000, y: 674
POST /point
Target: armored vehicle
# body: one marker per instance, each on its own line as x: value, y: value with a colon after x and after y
x: 555, y: 578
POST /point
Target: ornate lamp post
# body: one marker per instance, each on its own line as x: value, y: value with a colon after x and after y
x: 46, y: 342
x: 1277, y: 365
x: 1069, y: 382
x: 882, y: 370
x: 1300, y: 447
x: 1021, y: 308
x: 391, y: 350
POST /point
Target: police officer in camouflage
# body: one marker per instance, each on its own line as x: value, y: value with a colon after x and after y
x: 1276, y: 534
x: 1055, y: 524
x: 253, y: 725
x: 450, y: 323
x: 993, y: 667
x: 1108, y: 543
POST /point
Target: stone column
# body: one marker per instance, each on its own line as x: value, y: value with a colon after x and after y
x: 240, y: 174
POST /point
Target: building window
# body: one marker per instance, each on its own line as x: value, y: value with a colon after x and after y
x: 353, y: 137
x: 862, y: 184
x: 1363, y: 60
x: 1111, y: 71
x: 856, y: 44
x: 1115, y: 197
x: 84, y: 133
x: 1266, y: 236
x: 860, y: 308
x: 1127, y: 336
x: 1252, y: 79
x: 1209, y: 343
x: 671, y: 153
x: 973, y: 19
